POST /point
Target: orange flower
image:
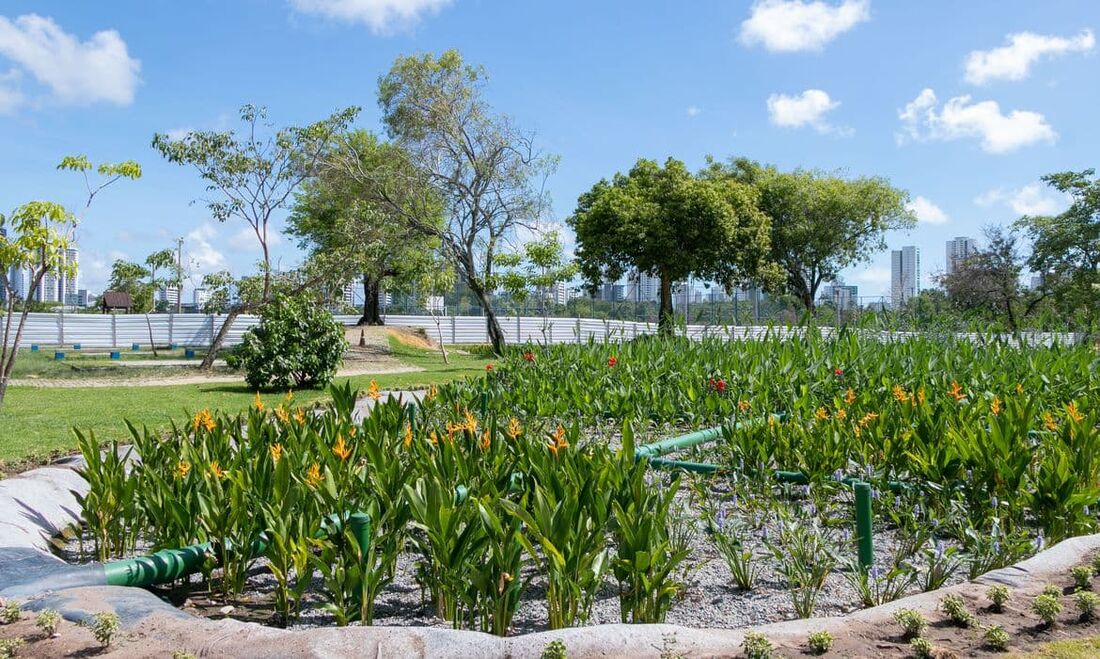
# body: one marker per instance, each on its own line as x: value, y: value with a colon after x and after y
x: 408, y: 435
x: 743, y: 405
x: 771, y: 421
x: 203, y: 420
x: 559, y: 441
x: 216, y: 469
x: 900, y: 394
x: 821, y: 414
x: 341, y: 449
x: 299, y: 416
x: 432, y: 391
x: 182, y: 469
x: 486, y: 439
x: 1049, y: 423
x: 956, y: 391
x: 258, y: 403
x: 867, y: 419
x: 1073, y: 413
x: 514, y: 429
x: 1019, y: 388
x: 920, y: 395
x: 276, y: 452
x: 289, y: 396
x: 996, y: 406
x: 850, y: 396
x: 471, y: 422
x: 433, y: 438
x: 488, y: 367
x: 281, y: 414
x: 841, y: 414
x: 373, y: 391
x: 313, y: 476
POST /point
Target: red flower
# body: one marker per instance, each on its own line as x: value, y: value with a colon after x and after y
x: 838, y: 372
x: 488, y: 367
x: 720, y: 386
x: 611, y: 361
x: 529, y: 356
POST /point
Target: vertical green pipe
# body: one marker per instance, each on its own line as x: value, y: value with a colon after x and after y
x: 411, y: 407
x: 359, y: 525
x: 864, y: 538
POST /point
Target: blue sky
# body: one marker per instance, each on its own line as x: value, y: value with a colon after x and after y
x: 832, y: 84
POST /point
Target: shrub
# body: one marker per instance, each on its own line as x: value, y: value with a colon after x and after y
x: 1052, y: 590
x: 921, y: 648
x: 820, y: 642
x: 912, y: 622
x: 1086, y: 602
x: 9, y: 613
x: 996, y: 638
x: 555, y: 649
x: 998, y: 595
x: 104, y: 626
x: 48, y: 621
x: 297, y: 344
x: 757, y: 646
x: 1082, y: 577
x: 10, y: 646
x: 1047, y: 607
x: 1096, y: 563
x: 955, y: 608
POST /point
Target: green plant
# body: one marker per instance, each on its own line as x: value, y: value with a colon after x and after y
x: 757, y: 646
x: 10, y: 612
x: 943, y: 562
x: 182, y: 654
x: 912, y: 622
x: 922, y: 648
x: 108, y: 509
x: 1082, y: 577
x: 819, y: 642
x: 297, y: 344
x: 1086, y: 602
x: 48, y: 621
x: 996, y: 638
x: 806, y: 557
x: 1047, y: 607
x: 1096, y: 564
x: 731, y: 540
x: 998, y: 597
x: 104, y: 625
x: 555, y: 649
x: 1052, y: 590
x: 955, y: 608
x: 9, y: 647
x: 876, y: 586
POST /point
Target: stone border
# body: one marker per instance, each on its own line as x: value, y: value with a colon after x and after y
x: 36, y: 505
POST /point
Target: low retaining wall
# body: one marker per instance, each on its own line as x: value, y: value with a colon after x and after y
x: 36, y: 505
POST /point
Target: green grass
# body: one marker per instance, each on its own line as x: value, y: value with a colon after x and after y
x: 94, y: 364
x: 36, y: 423
x: 1085, y: 648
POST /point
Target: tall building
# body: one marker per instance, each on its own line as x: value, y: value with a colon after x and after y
x: 841, y: 296
x: 68, y: 292
x: 904, y: 274
x: 200, y: 297
x: 643, y: 288
x: 18, y: 281
x: 559, y: 293
x: 958, y: 250
x: 48, y: 288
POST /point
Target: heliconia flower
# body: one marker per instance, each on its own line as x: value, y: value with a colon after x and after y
x: 288, y: 397
x: 486, y: 440
x: 744, y: 406
x: 720, y: 385
x: 838, y: 372
x: 850, y: 396
x: 203, y: 420
x: 956, y: 391
x: 299, y: 416
x: 258, y: 403
x: 900, y: 394
x: 821, y: 414
x: 528, y: 356
x: 1073, y: 413
x: 612, y: 361
x: 276, y: 452
x: 216, y: 470
x: 514, y: 429
x: 432, y: 391
x: 408, y: 435
x: 488, y: 367
x: 281, y: 414
x: 374, y: 391
x: 341, y: 450
x: 471, y: 422
x: 182, y: 469
x: 559, y: 441
x: 996, y: 406
x: 1049, y: 423
x: 841, y: 414
x: 1019, y: 388
x: 313, y: 475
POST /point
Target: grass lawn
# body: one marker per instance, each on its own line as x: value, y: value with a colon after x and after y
x: 95, y: 363
x: 36, y: 423
x: 1086, y: 648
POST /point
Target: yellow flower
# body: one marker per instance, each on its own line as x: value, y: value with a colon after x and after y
x: 1019, y: 388
x: 559, y: 441
x: 821, y: 414
x: 182, y: 469
x: 216, y: 469
x: 850, y: 397
x: 505, y: 579
x: 514, y: 429
x: 1073, y: 413
x: 353, y: 431
x: 841, y: 414
x: 258, y: 403
x: 433, y: 438
x: 471, y: 422
x: 1049, y: 423
x: 281, y: 414
x: 299, y: 416
x: 289, y: 397
x: 341, y: 449
x: 432, y: 391
x: 956, y: 391
x: 920, y: 395
x: 276, y: 452
x: 867, y: 419
x: 996, y: 406
x: 313, y: 476
x: 771, y: 421
x: 373, y: 391
x: 743, y: 405
x: 900, y: 394
x: 408, y: 435
x: 203, y: 420
x: 858, y: 431
x: 486, y: 439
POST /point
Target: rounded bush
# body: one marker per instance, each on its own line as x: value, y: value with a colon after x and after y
x: 297, y: 344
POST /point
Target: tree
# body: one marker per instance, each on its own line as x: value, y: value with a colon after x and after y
x: 668, y: 223
x: 989, y: 281
x: 820, y: 223
x: 486, y: 172
x: 35, y: 237
x: 1066, y: 247
x: 536, y: 268
x: 338, y: 221
x: 128, y: 278
x: 253, y: 175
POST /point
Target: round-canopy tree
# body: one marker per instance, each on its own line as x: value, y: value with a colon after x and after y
x: 666, y: 222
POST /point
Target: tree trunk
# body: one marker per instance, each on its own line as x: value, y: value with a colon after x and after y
x: 666, y: 322
x: 9, y: 363
x: 439, y: 333
x: 496, y: 334
x: 152, y: 342
x: 219, y: 338
x: 371, y: 306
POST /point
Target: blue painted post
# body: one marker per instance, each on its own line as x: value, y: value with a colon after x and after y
x: 116, y: 355
x: 34, y: 347
x: 135, y: 347
x: 173, y: 346
x: 189, y: 353
x: 58, y: 355
x: 76, y: 346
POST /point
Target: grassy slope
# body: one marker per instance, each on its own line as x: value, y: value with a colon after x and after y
x: 36, y: 423
x: 1077, y: 649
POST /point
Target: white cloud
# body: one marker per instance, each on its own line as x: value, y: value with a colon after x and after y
x: 380, y: 16
x: 694, y: 111
x: 245, y: 240
x: 77, y: 73
x: 1013, y: 61
x: 872, y: 276
x: 806, y: 109
x: 926, y: 211
x: 796, y: 25
x: 201, y: 253
x: 10, y: 96
x: 923, y: 119
x: 1031, y: 199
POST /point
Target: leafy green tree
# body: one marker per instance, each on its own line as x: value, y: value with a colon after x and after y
x: 253, y: 175
x: 535, y: 269
x: 821, y: 223
x: 161, y: 260
x: 1066, y: 247
x: 129, y: 278
x: 34, y: 237
x: 349, y: 234
x: 297, y: 344
x: 486, y: 172
x: 666, y: 222
x: 219, y: 290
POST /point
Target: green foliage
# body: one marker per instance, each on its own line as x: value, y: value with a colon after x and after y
x: 48, y: 621
x: 9, y: 647
x: 996, y: 638
x: 921, y: 648
x: 108, y: 509
x: 998, y: 597
x: 757, y: 646
x: 1082, y: 577
x: 1047, y: 607
x: 297, y: 344
x: 1086, y: 602
x: 554, y: 650
x: 806, y: 556
x: 955, y: 608
x: 536, y: 268
x: 912, y: 622
x: 819, y: 642
x: 104, y: 626
x: 10, y: 612
x: 731, y: 539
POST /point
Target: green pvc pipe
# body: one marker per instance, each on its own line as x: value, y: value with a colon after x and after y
x: 864, y: 537
x: 665, y: 446
x: 684, y: 465
x: 160, y: 567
